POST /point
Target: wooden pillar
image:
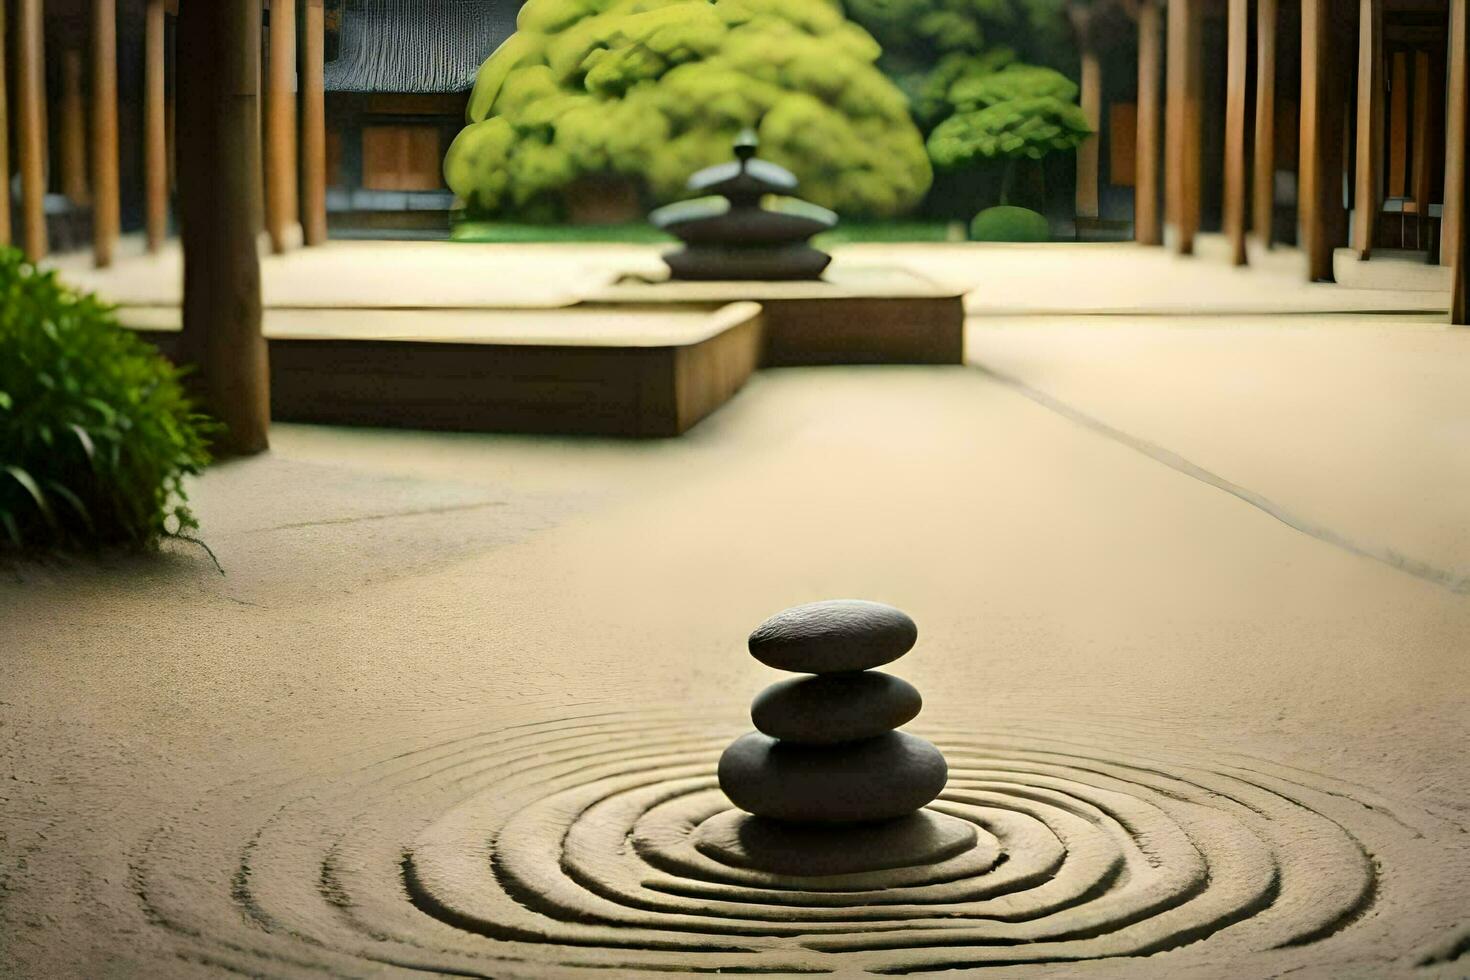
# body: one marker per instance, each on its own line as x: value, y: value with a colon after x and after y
x: 1147, y: 228
x: 1182, y: 123
x: 1367, y: 193
x: 30, y: 105
x: 155, y: 130
x: 106, y: 209
x: 280, y: 168
x: 1319, y: 181
x: 5, y: 202
x: 1236, y: 84
x: 1264, y: 189
x: 73, y: 124
x: 1457, y: 131
x: 1090, y: 100
x: 218, y: 56
x: 313, y: 124
x: 1459, y: 102
x: 1460, y: 301
x: 170, y: 130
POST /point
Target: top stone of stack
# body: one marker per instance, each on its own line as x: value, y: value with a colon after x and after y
x: 833, y: 636
x: 745, y: 179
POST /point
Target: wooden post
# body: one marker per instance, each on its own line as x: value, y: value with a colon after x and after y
x: 1236, y: 84
x: 5, y: 202
x: 1456, y: 133
x: 1147, y: 228
x: 1090, y: 99
x: 1317, y: 181
x: 155, y: 132
x: 280, y: 168
x: 1264, y: 189
x: 106, y: 209
x: 1182, y: 133
x: 1459, y: 100
x: 73, y: 123
x: 219, y: 211
x: 313, y: 125
x: 30, y: 104
x: 1367, y: 194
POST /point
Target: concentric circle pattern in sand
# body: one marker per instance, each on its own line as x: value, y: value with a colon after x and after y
x: 566, y: 843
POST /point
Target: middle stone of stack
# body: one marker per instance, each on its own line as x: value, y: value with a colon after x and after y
x: 826, y: 749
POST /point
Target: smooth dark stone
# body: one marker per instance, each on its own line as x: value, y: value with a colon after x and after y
x: 833, y: 636
x: 835, y: 707
x: 804, y: 850
x: 744, y: 227
x: 745, y: 180
x: 724, y: 263
x: 875, y: 779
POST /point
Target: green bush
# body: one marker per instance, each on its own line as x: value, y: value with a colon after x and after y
x: 654, y: 90
x: 96, y: 433
x: 1007, y: 223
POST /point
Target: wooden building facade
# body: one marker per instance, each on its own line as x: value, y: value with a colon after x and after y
x: 397, y: 79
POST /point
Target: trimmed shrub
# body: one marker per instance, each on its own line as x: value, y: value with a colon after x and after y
x: 96, y: 432
x: 1007, y: 223
x: 654, y: 90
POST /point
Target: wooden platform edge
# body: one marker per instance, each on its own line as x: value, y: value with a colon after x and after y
x: 629, y: 391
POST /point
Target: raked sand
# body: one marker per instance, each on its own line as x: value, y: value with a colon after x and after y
x: 1193, y: 599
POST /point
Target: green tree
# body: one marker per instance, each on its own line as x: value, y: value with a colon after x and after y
x: 918, y: 34
x: 1022, y: 112
x: 656, y: 89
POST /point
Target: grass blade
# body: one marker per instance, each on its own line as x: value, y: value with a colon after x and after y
x: 34, y: 489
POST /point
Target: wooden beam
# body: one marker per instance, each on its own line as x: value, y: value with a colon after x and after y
x: 5, y: 201
x: 155, y: 127
x: 280, y: 169
x: 218, y: 55
x: 313, y: 124
x: 30, y: 105
x: 1182, y: 123
x: 1319, y: 180
x: 73, y: 126
x: 1236, y: 86
x: 1456, y: 133
x: 1263, y: 221
x: 1147, y: 228
x: 1367, y: 194
x: 106, y: 206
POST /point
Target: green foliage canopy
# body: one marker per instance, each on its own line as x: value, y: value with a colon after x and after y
x: 96, y: 433
x: 975, y: 91
x: 1025, y: 128
x: 921, y: 32
x: 656, y: 89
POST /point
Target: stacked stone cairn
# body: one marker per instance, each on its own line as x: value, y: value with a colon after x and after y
x: 826, y: 751
x: 745, y: 224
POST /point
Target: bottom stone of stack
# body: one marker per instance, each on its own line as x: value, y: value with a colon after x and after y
x: 852, y: 782
x: 816, y: 850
